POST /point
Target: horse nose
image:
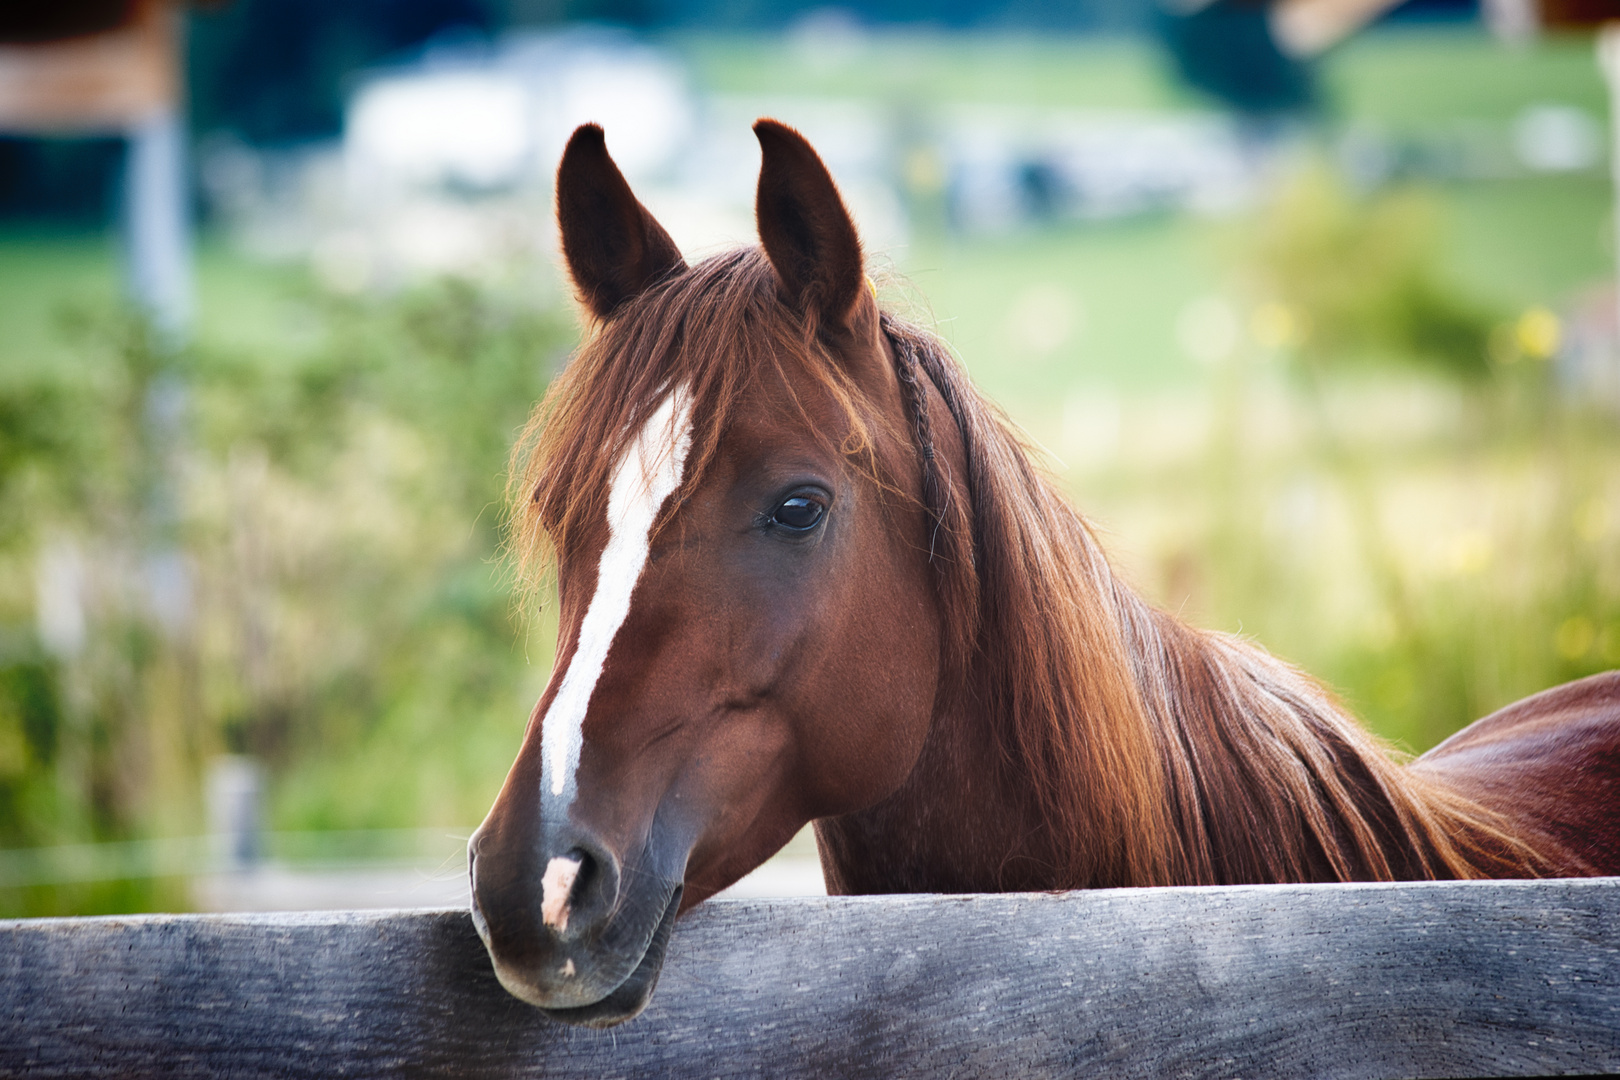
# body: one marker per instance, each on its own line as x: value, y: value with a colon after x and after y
x: 535, y: 902
x: 579, y: 889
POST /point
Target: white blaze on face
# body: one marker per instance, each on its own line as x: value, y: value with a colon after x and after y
x: 649, y: 473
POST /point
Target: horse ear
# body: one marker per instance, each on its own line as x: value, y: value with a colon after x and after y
x: 613, y: 246
x: 808, y: 235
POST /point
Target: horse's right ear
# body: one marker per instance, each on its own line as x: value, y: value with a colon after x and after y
x: 613, y: 246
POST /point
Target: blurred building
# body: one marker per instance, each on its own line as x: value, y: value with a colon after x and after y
x: 101, y: 68
x: 1007, y: 168
x: 446, y: 155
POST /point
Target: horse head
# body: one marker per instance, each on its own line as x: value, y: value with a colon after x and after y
x: 727, y: 479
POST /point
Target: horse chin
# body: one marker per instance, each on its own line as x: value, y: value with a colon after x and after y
x: 630, y: 997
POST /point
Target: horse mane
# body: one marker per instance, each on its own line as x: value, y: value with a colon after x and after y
x: 1155, y: 753
x: 1160, y: 753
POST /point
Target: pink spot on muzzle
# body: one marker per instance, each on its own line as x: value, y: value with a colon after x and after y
x: 555, y: 889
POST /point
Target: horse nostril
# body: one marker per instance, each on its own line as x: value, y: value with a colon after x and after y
x: 566, y: 878
x: 587, y: 872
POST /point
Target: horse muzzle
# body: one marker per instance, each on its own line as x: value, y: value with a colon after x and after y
x: 573, y: 934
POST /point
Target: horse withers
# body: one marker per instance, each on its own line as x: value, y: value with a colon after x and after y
x: 806, y: 572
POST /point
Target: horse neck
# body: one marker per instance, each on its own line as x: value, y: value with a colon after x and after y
x: 1259, y: 778
x: 1040, y: 770
x: 1096, y: 741
x: 962, y: 822
x: 1266, y: 778
x: 1086, y: 739
x: 1269, y: 780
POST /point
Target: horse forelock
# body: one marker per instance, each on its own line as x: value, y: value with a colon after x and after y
x: 714, y: 330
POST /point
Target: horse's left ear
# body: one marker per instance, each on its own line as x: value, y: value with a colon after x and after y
x: 808, y: 234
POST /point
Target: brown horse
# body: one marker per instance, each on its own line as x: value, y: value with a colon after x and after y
x: 808, y: 573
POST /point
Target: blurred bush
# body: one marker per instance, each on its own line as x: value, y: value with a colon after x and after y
x: 1394, y: 498
x: 291, y: 554
x: 1363, y: 278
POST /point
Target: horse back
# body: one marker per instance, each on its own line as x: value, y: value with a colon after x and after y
x: 1551, y: 764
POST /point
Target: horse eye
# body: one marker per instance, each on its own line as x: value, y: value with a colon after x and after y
x: 798, y: 513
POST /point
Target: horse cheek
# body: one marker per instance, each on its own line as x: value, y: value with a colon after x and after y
x: 880, y: 691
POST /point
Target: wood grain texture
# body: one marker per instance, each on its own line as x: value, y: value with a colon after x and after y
x: 1446, y: 979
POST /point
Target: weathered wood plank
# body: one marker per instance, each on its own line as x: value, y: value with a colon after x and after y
x: 1453, y: 979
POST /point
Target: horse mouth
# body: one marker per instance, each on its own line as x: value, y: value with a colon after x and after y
x: 630, y: 997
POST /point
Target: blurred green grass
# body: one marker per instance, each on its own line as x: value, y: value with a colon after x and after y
x: 905, y: 67
x: 1404, y: 77
x: 1409, y: 78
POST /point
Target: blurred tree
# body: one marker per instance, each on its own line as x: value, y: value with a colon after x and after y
x: 273, y: 71
x: 1227, y: 49
x: 59, y: 181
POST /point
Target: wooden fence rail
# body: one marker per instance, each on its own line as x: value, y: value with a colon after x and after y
x: 1448, y: 979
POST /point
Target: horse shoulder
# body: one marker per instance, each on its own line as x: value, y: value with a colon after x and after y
x: 1550, y: 762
